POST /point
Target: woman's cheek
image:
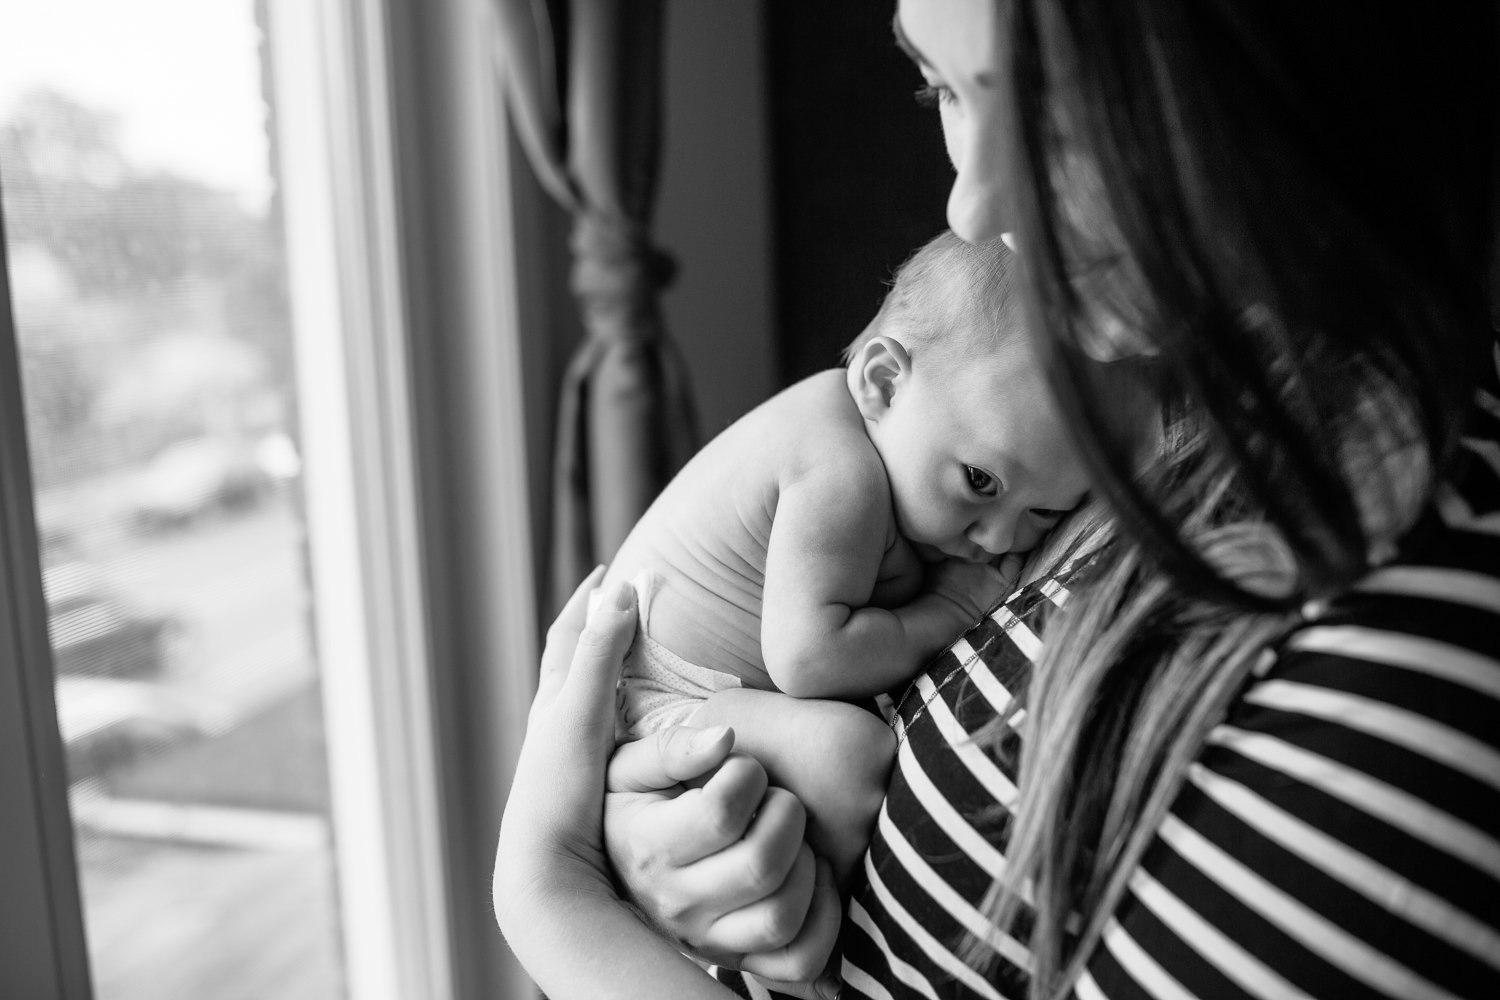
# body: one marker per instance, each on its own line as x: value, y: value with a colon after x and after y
x: 952, y: 134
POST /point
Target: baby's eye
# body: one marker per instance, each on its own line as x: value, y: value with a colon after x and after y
x: 932, y: 95
x: 1047, y: 513
x: 981, y: 482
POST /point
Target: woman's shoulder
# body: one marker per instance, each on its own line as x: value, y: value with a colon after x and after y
x: 1338, y: 834
x: 1413, y: 647
x: 1410, y: 655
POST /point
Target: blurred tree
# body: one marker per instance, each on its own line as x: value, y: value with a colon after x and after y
x: 68, y: 188
x: 145, y: 253
x: 59, y: 389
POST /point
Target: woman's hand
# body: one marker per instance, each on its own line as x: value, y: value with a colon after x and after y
x: 551, y: 836
x: 722, y: 867
x: 554, y: 897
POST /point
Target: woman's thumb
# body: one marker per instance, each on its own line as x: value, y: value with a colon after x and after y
x: 665, y: 758
x: 602, y: 645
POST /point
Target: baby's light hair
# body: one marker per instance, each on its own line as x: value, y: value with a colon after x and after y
x: 950, y: 302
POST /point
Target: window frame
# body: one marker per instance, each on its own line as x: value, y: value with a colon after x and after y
x: 43, y: 951
x: 344, y: 265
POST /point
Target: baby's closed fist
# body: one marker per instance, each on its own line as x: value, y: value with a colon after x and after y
x: 1010, y: 566
x: 973, y: 588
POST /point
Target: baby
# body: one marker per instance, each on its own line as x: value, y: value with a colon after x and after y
x: 831, y: 541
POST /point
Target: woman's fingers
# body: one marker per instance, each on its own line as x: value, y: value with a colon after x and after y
x: 651, y: 832
x: 555, y: 809
x: 753, y: 868
x: 772, y: 921
x: 588, y: 689
x: 718, y: 814
x: 655, y: 836
x: 689, y: 860
x: 668, y: 757
x: 562, y: 639
x: 722, y: 867
x: 805, y: 957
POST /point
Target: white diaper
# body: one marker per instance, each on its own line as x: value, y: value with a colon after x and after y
x: 658, y: 687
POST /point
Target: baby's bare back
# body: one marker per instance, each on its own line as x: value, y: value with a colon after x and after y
x: 706, y: 535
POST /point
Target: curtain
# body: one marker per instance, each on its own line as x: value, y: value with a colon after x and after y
x: 584, y: 83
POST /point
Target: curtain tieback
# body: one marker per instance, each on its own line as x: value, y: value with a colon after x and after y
x: 617, y: 273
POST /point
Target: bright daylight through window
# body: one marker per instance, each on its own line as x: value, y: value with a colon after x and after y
x: 148, y: 272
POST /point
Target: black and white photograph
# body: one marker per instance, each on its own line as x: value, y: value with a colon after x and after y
x: 840, y: 500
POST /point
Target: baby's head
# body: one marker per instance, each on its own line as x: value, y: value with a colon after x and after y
x: 955, y: 401
x: 955, y: 303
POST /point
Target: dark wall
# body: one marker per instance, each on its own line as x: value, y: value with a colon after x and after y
x: 859, y: 172
x: 714, y: 206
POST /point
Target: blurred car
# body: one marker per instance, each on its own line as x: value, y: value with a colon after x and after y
x: 95, y: 632
x: 107, y: 721
x: 195, y: 477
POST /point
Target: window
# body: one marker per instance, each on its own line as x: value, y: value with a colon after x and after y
x: 248, y: 607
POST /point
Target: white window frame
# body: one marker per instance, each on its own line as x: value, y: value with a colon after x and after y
x: 344, y: 267
x: 432, y: 429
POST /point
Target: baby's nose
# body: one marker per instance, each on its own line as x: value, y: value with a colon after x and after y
x: 995, y: 534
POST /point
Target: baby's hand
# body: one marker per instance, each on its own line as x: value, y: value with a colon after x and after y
x: 1010, y: 566
x: 973, y: 588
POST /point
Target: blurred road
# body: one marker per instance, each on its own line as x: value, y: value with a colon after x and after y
x: 237, y: 584
x: 207, y: 860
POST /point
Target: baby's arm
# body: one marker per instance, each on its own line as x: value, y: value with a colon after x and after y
x: 819, y: 636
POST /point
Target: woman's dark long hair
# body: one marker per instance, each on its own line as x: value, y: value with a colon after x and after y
x: 1289, y: 205
x: 1303, y: 195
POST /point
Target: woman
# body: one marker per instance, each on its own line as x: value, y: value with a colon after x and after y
x: 1260, y: 758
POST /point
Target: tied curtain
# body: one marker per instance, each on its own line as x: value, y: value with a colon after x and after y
x: 583, y: 80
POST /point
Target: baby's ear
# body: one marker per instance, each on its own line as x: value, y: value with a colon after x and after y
x: 876, y: 368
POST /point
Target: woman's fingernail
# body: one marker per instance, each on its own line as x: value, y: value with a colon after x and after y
x: 618, y: 596
x: 707, y: 737
x: 623, y: 597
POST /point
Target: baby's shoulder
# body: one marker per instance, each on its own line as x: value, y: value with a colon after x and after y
x: 820, y: 431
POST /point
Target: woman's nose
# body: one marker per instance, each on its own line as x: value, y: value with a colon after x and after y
x: 977, y: 203
x: 973, y: 212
